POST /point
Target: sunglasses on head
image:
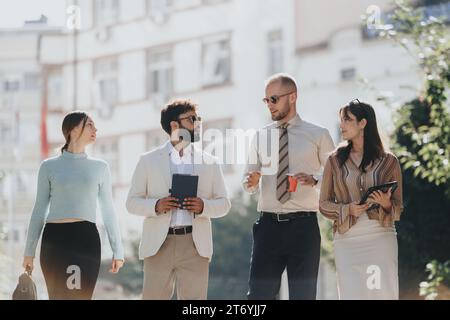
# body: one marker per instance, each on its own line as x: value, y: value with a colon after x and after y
x: 355, y: 101
x: 275, y: 98
x: 192, y: 119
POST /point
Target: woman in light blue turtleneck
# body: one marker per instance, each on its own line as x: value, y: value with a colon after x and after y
x: 69, y: 186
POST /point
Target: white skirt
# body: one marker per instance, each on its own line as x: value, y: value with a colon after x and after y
x: 366, y: 259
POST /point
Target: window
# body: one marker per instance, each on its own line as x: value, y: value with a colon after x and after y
x: 32, y: 81
x: 216, y: 61
x: 15, y: 234
x: 155, y: 138
x: 275, y: 51
x: 9, y: 89
x: 159, y: 9
x: 106, y: 12
x: 54, y: 89
x: 106, y: 81
x: 348, y: 74
x: 108, y: 150
x: 11, y: 85
x: 160, y: 74
x: 6, y: 138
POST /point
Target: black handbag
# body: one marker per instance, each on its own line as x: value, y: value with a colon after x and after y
x: 26, y: 288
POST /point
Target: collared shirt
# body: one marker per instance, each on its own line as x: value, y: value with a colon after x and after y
x: 181, y: 165
x: 309, y: 148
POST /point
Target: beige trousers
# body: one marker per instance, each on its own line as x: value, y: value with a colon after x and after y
x: 176, y: 263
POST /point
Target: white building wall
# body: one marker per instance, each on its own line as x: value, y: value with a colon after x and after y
x: 131, y: 70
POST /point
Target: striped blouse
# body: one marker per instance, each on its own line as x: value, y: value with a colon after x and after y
x: 343, y: 185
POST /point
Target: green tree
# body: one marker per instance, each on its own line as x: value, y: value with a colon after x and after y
x: 421, y: 140
x: 439, y: 275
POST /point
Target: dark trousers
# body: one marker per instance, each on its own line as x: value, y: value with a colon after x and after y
x: 294, y: 245
x: 70, y: 260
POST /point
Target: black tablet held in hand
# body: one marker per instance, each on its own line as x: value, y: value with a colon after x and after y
x: 184, y: 186
x: 383, y: 187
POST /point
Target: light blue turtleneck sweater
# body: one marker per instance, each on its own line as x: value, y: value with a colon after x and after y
x: 70, y: 185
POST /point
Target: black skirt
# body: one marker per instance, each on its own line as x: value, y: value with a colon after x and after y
x: 70, y: 259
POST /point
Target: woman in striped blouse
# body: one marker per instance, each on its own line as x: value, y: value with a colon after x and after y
x: 365, y: 239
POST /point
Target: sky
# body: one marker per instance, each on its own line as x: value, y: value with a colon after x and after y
x: 14, y: 12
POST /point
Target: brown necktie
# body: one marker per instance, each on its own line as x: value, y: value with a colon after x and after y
x: 283, y: 166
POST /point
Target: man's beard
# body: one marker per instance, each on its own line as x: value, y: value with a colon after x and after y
x: 195, y: 136
x: 281, y: 114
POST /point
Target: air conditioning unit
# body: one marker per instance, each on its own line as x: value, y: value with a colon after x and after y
x: 103, y: 34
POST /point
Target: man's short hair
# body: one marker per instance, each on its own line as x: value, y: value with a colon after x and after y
x: 173, y: 110
x: 285, y: 79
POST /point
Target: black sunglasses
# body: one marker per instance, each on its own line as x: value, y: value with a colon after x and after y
x: 355, y: 101
x: 275, y: 98
x: 193, y: 119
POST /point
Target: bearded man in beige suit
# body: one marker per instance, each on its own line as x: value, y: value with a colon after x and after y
x: 176, y: 243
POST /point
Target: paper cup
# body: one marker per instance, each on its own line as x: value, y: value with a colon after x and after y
x: 292, y: 180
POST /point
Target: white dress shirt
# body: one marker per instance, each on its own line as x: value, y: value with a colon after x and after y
x: 181, y: 165
x: 309, y: 148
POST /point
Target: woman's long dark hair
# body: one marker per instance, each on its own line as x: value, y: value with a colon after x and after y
x: 373, y: 147
x: 70, y: 121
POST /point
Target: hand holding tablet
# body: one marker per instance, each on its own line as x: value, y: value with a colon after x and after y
x: 382, y: 187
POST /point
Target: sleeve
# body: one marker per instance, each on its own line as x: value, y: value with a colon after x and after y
x: 39, y: 212
x: 253, y: 164
x: 137, y: 201
x: 109, y: 215
x: 386, y: 217
x: 328, y: 206
x: 219, y: 205
x: 326, y: 147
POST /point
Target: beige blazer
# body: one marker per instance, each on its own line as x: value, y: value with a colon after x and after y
x: 152, y: 180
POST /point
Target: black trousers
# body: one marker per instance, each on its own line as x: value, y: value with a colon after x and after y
x: 70, y: 259
x: 294, y: 245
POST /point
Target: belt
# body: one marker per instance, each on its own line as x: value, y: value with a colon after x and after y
x: 180, y: 230
x: 281, y: 217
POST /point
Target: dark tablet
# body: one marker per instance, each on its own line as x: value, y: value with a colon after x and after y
x: 383, y: 187
x: 184, y: 186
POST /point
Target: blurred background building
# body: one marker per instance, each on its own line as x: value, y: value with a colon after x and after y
x: 20, y: 129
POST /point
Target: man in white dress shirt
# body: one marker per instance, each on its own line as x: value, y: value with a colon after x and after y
x: 176, y: 243
x: 286, y: 235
